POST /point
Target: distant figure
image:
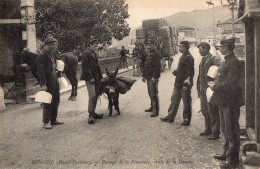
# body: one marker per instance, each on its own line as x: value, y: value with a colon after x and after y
x: 123, y: 54
x: 182, y: 86
x: 48, y: 79
x: 152, y: 73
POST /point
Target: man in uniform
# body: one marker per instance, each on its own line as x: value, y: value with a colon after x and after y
x: 210, y: 112
x: 48, y: 79
x: 182, y: 86
x: 151, y: 73
x: 91, y: 73
x: 228, y: 96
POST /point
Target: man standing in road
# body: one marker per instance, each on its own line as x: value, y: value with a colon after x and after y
x: 123, y: 54
x: 228, y: 96
x: 182, y: 86
x: 48, y: 79
x: 91, y: 73
x: 152, y: 70
x: 210, y: 112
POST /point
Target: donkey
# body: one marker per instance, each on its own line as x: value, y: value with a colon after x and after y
x: 70, y: 70
x: 111, y: 88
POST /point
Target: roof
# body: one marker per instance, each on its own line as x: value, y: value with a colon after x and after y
x: 184, y: 28
x: 248, y: 8
x: 229, y: 21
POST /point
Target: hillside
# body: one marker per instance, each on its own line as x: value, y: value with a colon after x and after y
x: 200, y: 20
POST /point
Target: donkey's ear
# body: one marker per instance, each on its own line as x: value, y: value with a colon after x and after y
x: 106, y: 70
x: 116, y: 71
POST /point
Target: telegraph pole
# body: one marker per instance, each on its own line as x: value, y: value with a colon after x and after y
x: 232, y: 5
x: 214, y: 31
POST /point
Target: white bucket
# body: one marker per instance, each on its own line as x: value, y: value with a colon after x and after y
x: 63, y: 82
x: 213, y: 70
x: 43, y: 97
x: 60, y: 65
x: 209, y: 94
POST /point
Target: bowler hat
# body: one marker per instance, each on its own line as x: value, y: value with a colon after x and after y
x: 205, y: 45
x: 50, y: 40
x: 227, y: 42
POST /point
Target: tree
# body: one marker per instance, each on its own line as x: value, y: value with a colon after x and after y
x: 75, y: 22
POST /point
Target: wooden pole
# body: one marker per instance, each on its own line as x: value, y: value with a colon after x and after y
x: 257, y: 78
x: 250, y: 74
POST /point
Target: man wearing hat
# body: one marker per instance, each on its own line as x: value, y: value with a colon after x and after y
x: 48, y: 79
x: 152, y: 71
x: 123, y: 54
x: 210, y: 112
x: 92, y: 75
x: 182, y: 86
x: 228, y: 96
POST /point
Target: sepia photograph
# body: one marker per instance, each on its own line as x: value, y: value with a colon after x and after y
x: 129, y: 84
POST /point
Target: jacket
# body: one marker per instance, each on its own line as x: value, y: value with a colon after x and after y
x: 152, y: 65
x: 184, y: 70
x: 205, y: 64
x: 90, y: 66
x: 227, y: 90
x: 46, y: 68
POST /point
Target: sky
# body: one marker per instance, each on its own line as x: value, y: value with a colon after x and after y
x: 152, y: 9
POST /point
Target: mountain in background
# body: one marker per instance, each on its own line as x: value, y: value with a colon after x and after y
x: 200, y: 20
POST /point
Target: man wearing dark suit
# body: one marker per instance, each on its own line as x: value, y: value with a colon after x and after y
x: 91, y: 73
x: 182, y: 86
x: 48, y: 79
x: 209, y: 111
x: 123, y: 58
x: 152, y: 71
x: 228, y: 96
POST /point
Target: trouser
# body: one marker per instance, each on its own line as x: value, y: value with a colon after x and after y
x: 215, y: 119
x: 231, y: 131
x: 136, y: 66
x: 177, y: 95
x: 124, y: 62
x: 50, y: 111
x: 204, y: 107
x: 93, y: 96
x: 153, y: 94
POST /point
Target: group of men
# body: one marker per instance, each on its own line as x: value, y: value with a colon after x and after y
x: 223, y: 110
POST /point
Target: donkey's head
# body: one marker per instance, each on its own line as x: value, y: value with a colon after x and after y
x: 111, y: 83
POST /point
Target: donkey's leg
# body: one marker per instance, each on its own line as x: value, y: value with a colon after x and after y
x: 74, y: 79
x: 69, y: 76
x: 110, y: 105
x: 116, y: 103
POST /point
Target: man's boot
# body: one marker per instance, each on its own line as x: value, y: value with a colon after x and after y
x: 91, y: 119
x: 149, y: 110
